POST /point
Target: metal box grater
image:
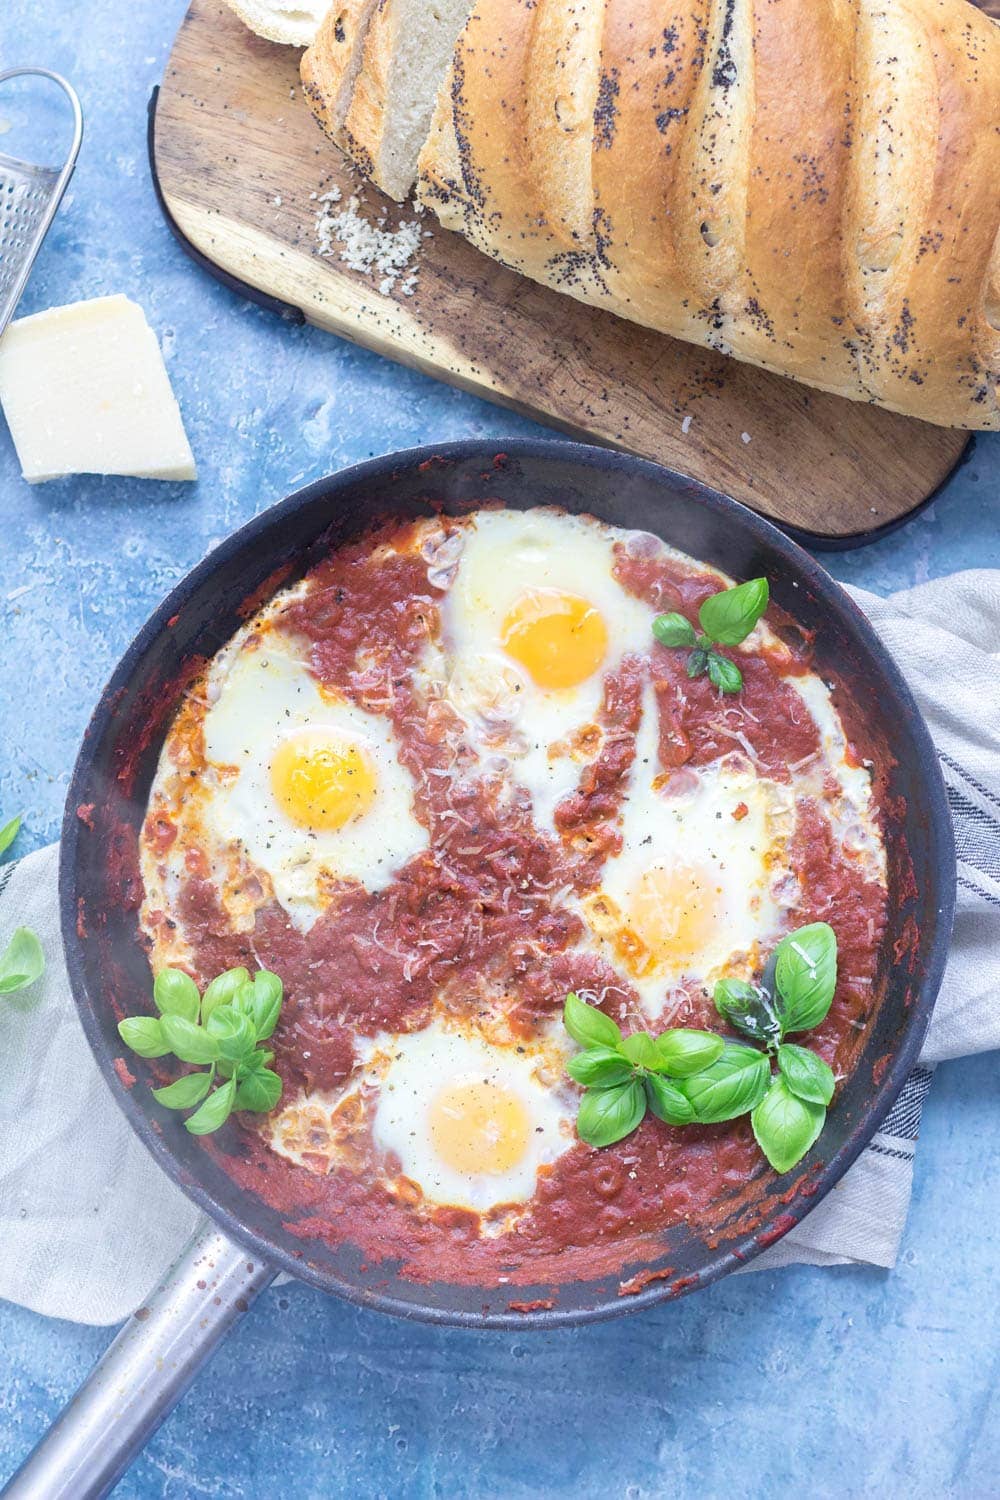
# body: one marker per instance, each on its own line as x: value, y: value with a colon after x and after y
x: 29, y: 196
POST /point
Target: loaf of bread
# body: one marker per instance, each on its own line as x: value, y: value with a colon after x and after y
x: 812, y: 186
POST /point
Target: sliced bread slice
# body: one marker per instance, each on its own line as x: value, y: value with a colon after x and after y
x: 330, y: 66
x: 406, y: 54
x: 294, y: 22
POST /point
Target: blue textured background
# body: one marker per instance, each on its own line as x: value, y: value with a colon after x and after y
x: 833, y: 1383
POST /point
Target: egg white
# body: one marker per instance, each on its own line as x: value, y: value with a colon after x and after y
x: 425, y: 1062
x: 851, y: 806
x: 719, y: 825
x: 503, y: 556
x: 392, y: 1094
x: 261, y: 692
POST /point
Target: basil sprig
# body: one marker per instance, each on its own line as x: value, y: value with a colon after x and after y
x: 726, y: 619
x: 623, y: 1076
x: 689, y: 1077
x: 9, y: 832
x: 221, y: 1030
x: 22, y: 961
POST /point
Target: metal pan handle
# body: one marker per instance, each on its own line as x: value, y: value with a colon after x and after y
x: 144, y: 1373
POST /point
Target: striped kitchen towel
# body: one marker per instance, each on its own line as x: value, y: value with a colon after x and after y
x: 89, y: 1224
x: 945, y: 636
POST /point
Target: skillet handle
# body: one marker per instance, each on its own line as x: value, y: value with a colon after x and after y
x: 144, y: 1372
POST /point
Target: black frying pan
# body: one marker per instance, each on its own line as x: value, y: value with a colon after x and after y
x: 99, y: 897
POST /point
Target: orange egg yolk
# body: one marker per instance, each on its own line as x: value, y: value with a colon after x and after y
x: 321, y: 780
x: 479, y: 1128
x: 558, y: 638
x: 674, y: 910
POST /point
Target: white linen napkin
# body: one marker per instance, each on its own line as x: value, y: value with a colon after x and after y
x: 89, y: 1223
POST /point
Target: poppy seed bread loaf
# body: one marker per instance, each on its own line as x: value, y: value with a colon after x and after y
x: 812, y: 186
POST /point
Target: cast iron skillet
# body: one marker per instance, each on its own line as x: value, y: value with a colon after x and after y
x: 99, y: 889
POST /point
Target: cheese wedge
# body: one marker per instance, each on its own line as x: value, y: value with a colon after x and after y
x: 85, y: 391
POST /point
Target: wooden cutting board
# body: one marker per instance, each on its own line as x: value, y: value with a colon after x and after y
x: 241, y: 166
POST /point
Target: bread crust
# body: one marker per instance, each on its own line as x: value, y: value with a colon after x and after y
x: 810, y: 185
x: 562, y: 85
x: 478, y: 167
x: 921, y: 333
x: 658, y: 52
x: 367, y: 118
x: 330, y: 66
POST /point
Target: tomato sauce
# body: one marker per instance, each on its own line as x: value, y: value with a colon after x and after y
x: 479, y: 912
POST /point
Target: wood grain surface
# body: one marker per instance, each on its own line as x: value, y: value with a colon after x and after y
x: 242, y: 165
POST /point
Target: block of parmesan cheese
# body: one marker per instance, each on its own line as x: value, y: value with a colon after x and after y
x: 85, y: 391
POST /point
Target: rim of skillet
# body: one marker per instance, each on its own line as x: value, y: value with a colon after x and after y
x: 834, y: 599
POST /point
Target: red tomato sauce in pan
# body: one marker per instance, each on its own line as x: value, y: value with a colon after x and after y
x: 478, y: 911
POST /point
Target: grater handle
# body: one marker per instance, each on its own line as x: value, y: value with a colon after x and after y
x: 10, y: 302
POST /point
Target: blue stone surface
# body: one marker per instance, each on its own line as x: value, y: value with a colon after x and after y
x: 849, y: 1382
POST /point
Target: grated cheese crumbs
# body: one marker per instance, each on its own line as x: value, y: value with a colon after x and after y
x: 686, y: 424
x: 745, y: 436
x: 369, y: 247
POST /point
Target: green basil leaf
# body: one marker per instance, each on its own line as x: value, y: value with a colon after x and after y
x: 9, y: 832
x: 260, y: 1091
x: 728, y: 617
x: 749, y: 1008
x: 21, y: 962
x: 807, y: 1075
x: 723, y: 673
x: 257, y: 1059
x: 233, y: 1033
x: 805, y: 973
x: 681, y: 1052
x: 697, y: 662
x: 640, y: 1049
x: 214, y: 1112
x: 599, y: 1065
x: 189, y: 1042
x: 222, y: 991
x: 732, y: 1085
x: 267, y: 996
x: 186, y: 1092
x: 144, y: 1035
x: 667, y: 1101
x: 176, y: 994
x: 785, y: 1126
x: 607, y: 1115
x: 589, y: 1026
x: 673, y: 630
x: 243, y: 998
